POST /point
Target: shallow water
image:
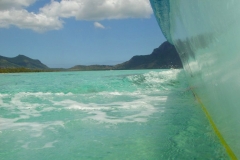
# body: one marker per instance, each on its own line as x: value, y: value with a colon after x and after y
x: 141, y: 114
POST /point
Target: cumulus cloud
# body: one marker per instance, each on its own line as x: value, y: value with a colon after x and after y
x: 10, y: 4
x: 98, y: 9
x: 25, y: 20
x: 14, y: 13
x: 52, y: 15
x: 98, y: 25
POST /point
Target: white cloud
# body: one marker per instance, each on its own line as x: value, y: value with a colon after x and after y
x: 51, y: 16
x: 99, y: 9
x: 10, y: 4
x: 25, y: 20
x: 13, y: 12
x: 64, y: 9
x: 98, y: 25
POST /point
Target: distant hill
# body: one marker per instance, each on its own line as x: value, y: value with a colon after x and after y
x: 21, y: 61
x: 163, y: 57
x: 91, y: 67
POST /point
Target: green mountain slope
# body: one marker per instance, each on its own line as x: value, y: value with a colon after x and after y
x: 163, y: 57
x: 21, y: 61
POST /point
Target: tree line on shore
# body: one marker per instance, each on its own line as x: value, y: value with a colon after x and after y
x: 18, y: 70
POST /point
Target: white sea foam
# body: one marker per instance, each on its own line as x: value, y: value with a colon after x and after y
x: 70, y: 104
x: 49, y: 144
x: 114, y: 106
x: 46, y: 145
x: 140, y: 109
x: 140, y: 106
x: 155, y: 80
x: 36, y: 129
x: 25, y: 145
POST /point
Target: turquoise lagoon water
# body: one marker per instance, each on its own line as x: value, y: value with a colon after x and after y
x: 136, y: 115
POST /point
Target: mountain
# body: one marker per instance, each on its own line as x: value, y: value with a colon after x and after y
x: 91, y: 67
x: 21, y: 61
x: 163, y: 57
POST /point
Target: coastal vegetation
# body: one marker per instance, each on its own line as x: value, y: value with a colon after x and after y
x: 18, y: 70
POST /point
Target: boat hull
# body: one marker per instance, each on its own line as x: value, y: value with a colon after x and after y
x: 206, y: 35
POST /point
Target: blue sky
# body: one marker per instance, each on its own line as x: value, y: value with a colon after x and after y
x: 66, y: 33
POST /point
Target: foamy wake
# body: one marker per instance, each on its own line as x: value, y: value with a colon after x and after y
x: 157, y: 80
x: 112, y: 109
x: 126, y: 99
x: 30, y: 111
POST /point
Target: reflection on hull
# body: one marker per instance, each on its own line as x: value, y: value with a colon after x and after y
x: 207, y: 37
